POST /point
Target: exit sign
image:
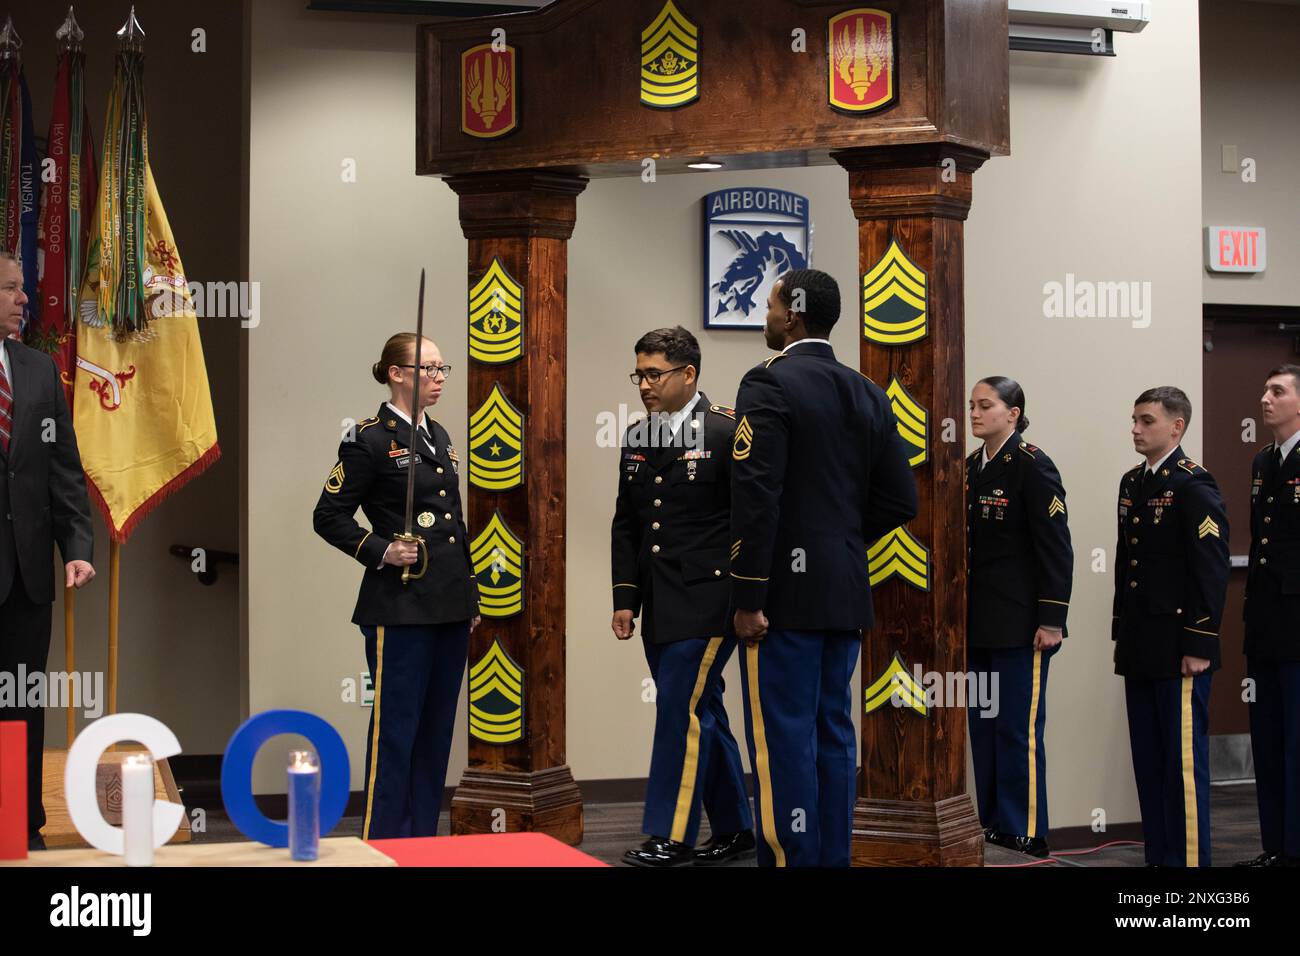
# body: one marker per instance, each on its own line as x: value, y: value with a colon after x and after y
x: 1235, y: 248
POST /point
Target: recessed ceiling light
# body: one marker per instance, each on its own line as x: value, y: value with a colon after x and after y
x: 705, y: 165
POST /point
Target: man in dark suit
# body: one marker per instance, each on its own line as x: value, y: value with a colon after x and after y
x: 42, y: 501
x: 819, y: 471
x: 1171, y: 577
x: 1273, y: 622
x: 670, y: 562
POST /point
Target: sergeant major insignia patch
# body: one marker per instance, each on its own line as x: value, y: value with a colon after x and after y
x: 670, y: 60
x: 496, y: 317
x: 496, y: 444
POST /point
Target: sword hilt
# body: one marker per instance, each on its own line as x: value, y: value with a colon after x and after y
x: 415, y: 539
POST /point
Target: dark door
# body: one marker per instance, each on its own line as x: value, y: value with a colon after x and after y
x: 1241, y: 344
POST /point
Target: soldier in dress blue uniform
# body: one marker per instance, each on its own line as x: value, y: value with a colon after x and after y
x: 1171, y: 575
x: 1021, y: 567
x: 417, y: 633
x: 1273, y: 622
x: 819, y: 471
x: 670, y: 564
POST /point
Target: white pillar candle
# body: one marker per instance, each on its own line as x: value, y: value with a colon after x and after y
x: 137, y: 809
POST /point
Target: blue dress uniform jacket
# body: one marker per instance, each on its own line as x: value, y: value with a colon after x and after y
x: 371, y: 474
x: 1021, y: 563
x: 806, y: 500
x: 1273, y: 647
x: 671, y: 521
x: 1272, y: 609
x: 1171, y: 569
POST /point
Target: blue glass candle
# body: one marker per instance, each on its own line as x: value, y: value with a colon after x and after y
x: 304, y: 805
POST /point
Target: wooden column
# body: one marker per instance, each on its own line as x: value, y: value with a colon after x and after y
x: 522, y: 220
x: 912, y: 806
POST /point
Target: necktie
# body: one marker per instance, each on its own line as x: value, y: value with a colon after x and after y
x: 6, y: 410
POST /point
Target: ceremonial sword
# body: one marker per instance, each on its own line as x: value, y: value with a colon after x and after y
x: 409, y: 535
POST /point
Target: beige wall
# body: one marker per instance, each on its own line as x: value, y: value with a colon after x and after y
x: 1104, y: 183
x: 1250, y: 98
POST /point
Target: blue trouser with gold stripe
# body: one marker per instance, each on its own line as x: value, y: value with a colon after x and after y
x: 1168, y: 727
x: 1006, y: 738
x: 695, y: 761
x: 802, y: 746
x: 417, y: 673
x: 1275, y: 745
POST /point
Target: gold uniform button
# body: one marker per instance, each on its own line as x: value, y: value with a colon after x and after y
x: 717, y: 573
x: 443, y: 493
x: 1135, y: 519
x: 1263, y: 560
x: 1263, y: 540
x: 655, y: 549
x: 1132, y: 584
x: 659, y: 479
x: 658, y: 502
x: 655, y: 526
x: 690, y: 477
x: 448, y: 517
x: 1270, y: 499
x: 1132, y: 540
x: 440, y: 471
x: 451, y: 540
x: 1133, y: 563
x: 1267, y: 520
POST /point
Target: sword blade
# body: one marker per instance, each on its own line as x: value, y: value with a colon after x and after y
x: 416, y: 411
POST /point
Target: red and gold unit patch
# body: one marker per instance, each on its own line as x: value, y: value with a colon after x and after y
x: 862, y: 64
x: 489, y: 91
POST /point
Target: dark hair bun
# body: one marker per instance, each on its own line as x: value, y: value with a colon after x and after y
x: 380, y: 373
x: 1022, y: 423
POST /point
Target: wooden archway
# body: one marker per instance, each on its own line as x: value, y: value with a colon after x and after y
x: 517, y: 112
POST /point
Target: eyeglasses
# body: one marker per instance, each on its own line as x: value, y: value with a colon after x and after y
x: 432, y: 370
x: 653, y: 375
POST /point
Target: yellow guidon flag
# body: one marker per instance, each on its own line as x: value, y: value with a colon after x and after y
x: 143, y: 414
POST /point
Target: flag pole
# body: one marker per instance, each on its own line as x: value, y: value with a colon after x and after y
x: 69, y: 36
x: 114, y: 577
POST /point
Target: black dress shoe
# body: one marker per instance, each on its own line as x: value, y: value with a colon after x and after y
x: 657, y: 851
x: 1264, y: 859
x: 35, y: 841
x: 994, y: 836
x: 1030, y: 846
x: 723, y: 849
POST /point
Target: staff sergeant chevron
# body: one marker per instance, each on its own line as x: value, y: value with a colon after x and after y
x: 913, y: 421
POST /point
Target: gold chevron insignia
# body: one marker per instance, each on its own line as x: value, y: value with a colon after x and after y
x: 896, y: 682
x: 743, y: 443
x: 496, y: 317
x: 498, y: 558
x: 894, y: 310
x: 913, y: 421
x: 1057, y: 507
x: 1208, y: 527
x: 670, y: 60
x: 496, y: 444
x: 898, y: 553
x: 735, y: 549
x: 496, y: 698
x: 334, y: 481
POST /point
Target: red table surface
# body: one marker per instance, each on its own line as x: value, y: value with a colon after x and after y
x: 484, y: 849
